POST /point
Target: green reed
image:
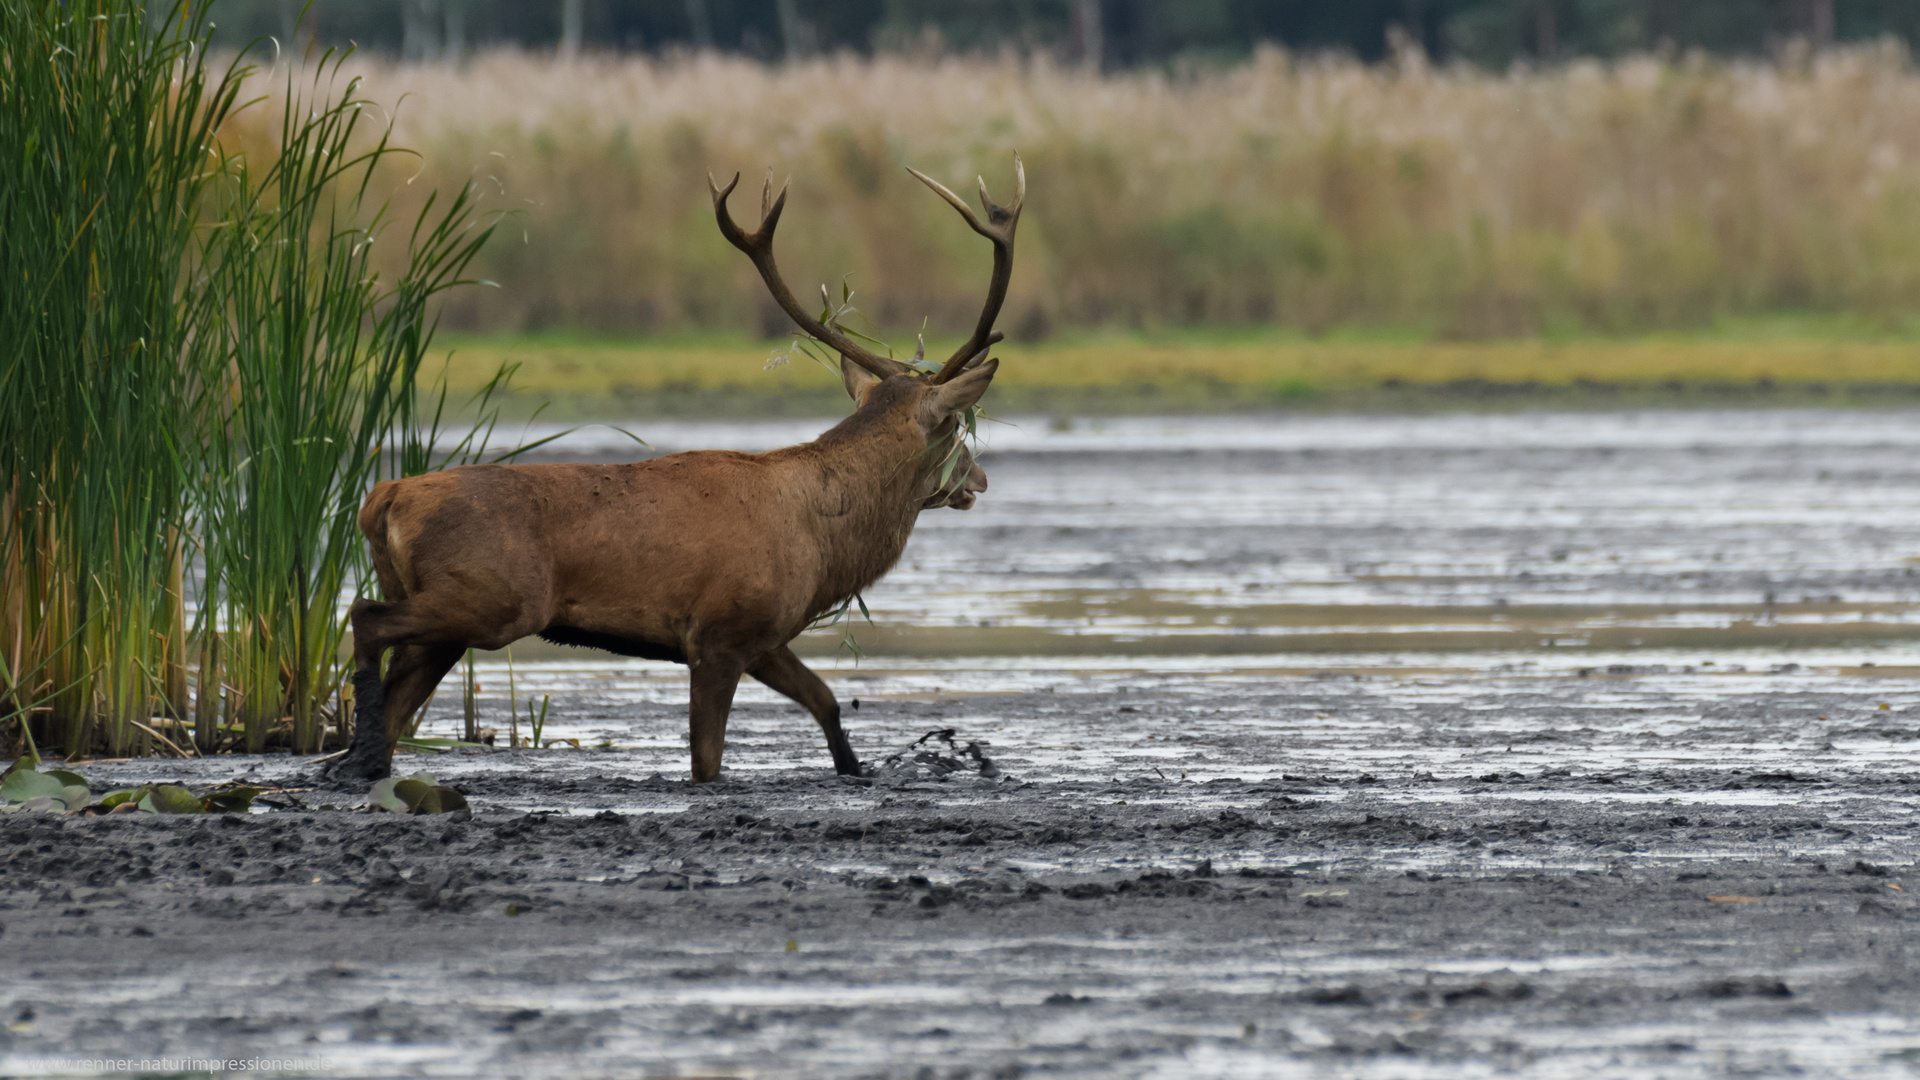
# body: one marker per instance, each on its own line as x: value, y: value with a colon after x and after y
x: 104, y: 120
x: 319, y: 358
x: 202, y: 371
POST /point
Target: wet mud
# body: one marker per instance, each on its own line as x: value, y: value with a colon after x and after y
x: 1080, y: 913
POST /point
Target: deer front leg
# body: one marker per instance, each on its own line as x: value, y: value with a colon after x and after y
x: 411, y: 677
x: 714, y: 680
x: 783, y: 671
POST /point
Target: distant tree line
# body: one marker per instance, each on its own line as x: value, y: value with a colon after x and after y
x: 1104, y: 33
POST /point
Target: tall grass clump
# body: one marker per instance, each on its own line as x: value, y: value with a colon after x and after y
x: 201, y: 370
x: 104, y: 124
x: 1650, y: 192
x: 319, y: 357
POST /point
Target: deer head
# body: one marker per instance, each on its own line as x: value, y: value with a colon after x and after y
x: 933, y: 403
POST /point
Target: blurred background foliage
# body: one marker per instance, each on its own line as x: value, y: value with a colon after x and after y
x: 1458, y: 170
x: 1113, y: 33
x: 1304, y: 192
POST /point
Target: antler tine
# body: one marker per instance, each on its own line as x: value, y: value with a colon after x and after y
x: 1011, y: 211
x: 999, y: 228
x: 758, y: 246
x: 955, y: 201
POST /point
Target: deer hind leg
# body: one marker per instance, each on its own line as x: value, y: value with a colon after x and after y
x: 368, y: 757
x: 784, y: 673
x: 381, y: 706
x: 713, y: 682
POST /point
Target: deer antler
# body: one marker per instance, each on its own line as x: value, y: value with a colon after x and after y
x: 1001, y: 221
x: 758, y: 246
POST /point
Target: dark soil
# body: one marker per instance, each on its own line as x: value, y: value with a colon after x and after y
x: 794, y: 923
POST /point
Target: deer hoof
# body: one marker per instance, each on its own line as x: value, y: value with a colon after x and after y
x: 350, y: 768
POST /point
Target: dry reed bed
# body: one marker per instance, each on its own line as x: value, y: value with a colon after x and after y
x: 1307, y: 192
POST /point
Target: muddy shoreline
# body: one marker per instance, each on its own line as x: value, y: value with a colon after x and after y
x: 785, y: 922
x: 1210, y: 937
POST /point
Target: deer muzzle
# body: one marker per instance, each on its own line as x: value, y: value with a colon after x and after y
x: 962, y: 497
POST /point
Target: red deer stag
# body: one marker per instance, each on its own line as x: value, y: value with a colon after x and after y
x: 713, y: 559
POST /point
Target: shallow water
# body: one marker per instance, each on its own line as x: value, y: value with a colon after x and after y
x: 1262, y: 533
x: 1327, y: 715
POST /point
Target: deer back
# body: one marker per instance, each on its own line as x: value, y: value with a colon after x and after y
x: 656, y: 550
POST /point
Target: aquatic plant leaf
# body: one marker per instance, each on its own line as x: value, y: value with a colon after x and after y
x: 388, y: 794
x: 231, y: 801
x: 422, y: 746
x: 382, y: 797
x: 439, y: 744
x: 410, y: 791
x: 73, y: 788
x: 440, y: 800
x: 21, y: 785
x: 114, y: 798
x: 171, y: 799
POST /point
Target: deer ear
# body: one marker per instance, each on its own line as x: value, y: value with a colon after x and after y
x: 965, y: 389
x: 857, y: 380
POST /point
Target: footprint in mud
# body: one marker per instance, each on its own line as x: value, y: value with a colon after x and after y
x: 937, y: 756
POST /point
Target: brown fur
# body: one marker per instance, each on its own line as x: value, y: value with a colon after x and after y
x: 710, y: 558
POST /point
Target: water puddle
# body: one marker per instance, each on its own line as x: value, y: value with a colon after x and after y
x: 1749, y: 728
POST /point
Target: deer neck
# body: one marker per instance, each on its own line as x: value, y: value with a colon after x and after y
x: 865, y: 485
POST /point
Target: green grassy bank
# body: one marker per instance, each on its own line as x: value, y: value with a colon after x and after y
x: 1799, y: 361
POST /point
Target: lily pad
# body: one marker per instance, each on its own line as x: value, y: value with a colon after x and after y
x: 400, y: 794
x: 22, y: 785
x: 74, y: 791
x: 171, y: 799
x: 114, y: 798
x: 381, y: 796
x: 440, y: 800
x: 231, y: 801
x: 29, y: 789
x: 410, y: 791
